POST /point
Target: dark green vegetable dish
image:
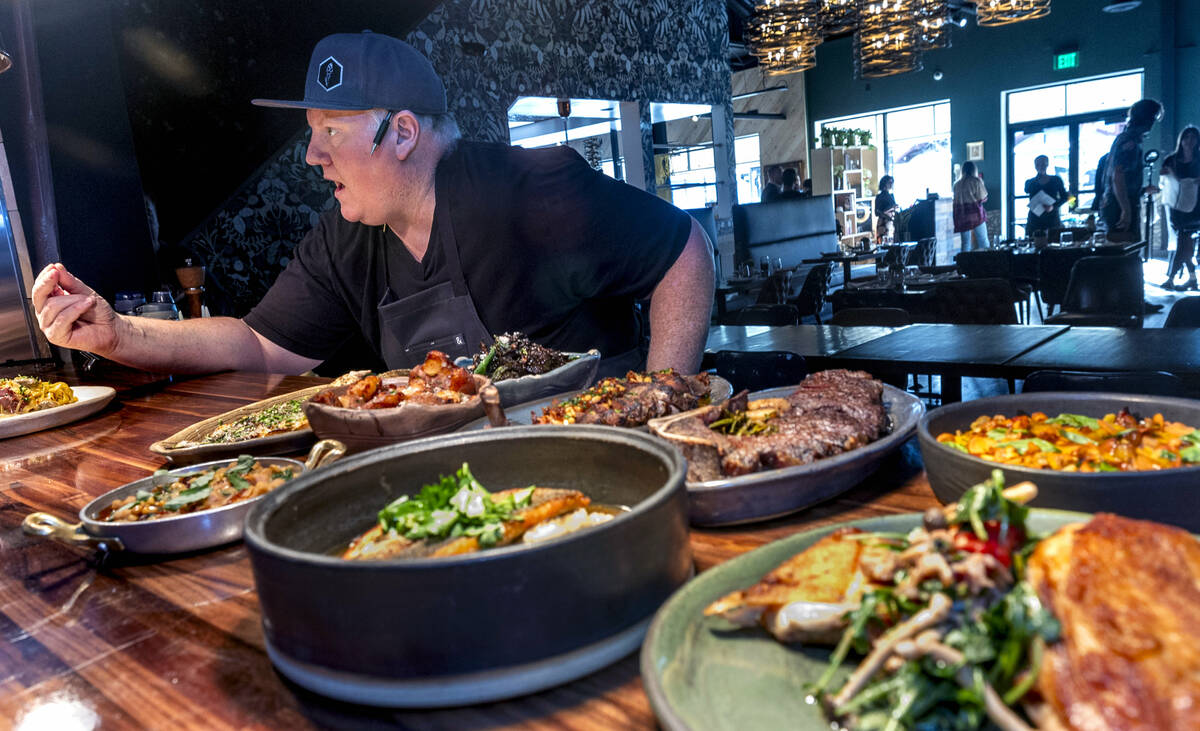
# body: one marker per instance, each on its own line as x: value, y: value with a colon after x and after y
x: 513, y: 355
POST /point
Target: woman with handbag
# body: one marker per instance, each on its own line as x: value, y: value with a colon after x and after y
x: 970, y: 218
x: 1182, y: 168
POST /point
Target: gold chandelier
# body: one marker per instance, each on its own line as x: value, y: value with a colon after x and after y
x: 991, y: 13
x: 890, y: 36
x: 785, y: 35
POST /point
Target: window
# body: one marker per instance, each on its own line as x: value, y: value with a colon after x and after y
x: 693, y: 180
x: 915, y: 142
x: 1073, y: 124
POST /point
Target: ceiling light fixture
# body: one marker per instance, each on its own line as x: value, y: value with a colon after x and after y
x: 756, y: 92
x: 1120, y: 6
x: 889, y: 35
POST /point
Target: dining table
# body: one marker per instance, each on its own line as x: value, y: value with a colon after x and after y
x: 814, y: 342
x: 105, y: 640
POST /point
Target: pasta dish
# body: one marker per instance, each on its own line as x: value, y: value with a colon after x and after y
x: 24, y: 394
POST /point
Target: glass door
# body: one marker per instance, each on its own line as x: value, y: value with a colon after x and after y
x: 1074, y: 146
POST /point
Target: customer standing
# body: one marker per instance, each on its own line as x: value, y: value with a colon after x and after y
x: 885, y: 211
x: 1053, y: 188
x: 970, y: 218
x: 1123, y: 172
x: 1183, y: 168
x: 774, y: 185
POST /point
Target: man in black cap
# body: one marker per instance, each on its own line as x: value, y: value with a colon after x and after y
x: 436, y: 244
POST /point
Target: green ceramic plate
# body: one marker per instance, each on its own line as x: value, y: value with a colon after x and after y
x: 701, y: 674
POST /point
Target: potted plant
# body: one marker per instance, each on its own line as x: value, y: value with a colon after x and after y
x: 827, y: 137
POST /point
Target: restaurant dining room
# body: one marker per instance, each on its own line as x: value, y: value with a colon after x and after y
x: 600, y: 364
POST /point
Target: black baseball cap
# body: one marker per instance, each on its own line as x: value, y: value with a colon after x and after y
x: 360, y: 71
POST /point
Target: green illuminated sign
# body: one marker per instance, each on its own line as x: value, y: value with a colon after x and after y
x: 1066, y: 60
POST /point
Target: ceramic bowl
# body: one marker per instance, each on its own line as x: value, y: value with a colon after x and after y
x: 1168, y: 496
x: 481, y: 626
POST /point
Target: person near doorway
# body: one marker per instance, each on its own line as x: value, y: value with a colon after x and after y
x: 774, y: 184
x: 1182, y: 168
x: 1046, y: 195
x: 885, y: 211
x: 970, y: 218
x: 1123, y: 172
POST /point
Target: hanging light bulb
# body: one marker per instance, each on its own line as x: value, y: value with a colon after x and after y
x: 839, y: 16
x: 934, y: 21
x: 990, y: 13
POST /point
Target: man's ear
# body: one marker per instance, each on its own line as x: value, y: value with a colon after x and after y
x: 408, y: 133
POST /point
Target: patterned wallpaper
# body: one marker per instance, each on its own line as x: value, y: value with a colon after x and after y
x: 489, y: 52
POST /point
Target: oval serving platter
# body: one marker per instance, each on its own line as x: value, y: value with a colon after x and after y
x: 719, y: 389
x: 773, y: 493
x: 182, y: 447
x: 701, y: 674
x: 89, y: 400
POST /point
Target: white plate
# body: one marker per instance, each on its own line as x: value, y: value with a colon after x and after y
x: 91, y: 400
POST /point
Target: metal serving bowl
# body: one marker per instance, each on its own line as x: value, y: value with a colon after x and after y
x: 173, y: 534
x: 476, y: 627
x: 1168, y: 496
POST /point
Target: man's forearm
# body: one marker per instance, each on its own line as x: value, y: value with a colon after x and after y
x: 201, y: 345
x: 680, y: 308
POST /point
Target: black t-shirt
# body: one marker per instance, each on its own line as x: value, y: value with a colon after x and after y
x: 1052, y: 186
x: 884, y: 202
x: 1182, y: 220
x: 548, y: 245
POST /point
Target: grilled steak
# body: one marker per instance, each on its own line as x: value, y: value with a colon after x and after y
x: 629, y: 401
x: 829, y: 413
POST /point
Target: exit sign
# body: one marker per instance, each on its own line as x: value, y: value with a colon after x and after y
x: 1066, y: 60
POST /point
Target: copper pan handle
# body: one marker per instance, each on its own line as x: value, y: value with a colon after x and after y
x: 72, y: 534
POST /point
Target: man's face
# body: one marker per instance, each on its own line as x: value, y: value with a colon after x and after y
x: 365, y: 184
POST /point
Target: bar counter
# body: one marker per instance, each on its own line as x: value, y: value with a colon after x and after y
x: 176, y: 642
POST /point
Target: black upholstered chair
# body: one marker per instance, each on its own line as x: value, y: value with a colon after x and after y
x: 882, y: 316
x: 759, y: 369
x: 1104, y: 291
x: 810, y: 300
x: 924, y: 255
x: 975, y: 302
x: 894, y: 255
x: 998, y: 264
x: 1054, y: 271
x: 1184, y: 313
x: 769, y: 314
x: 1152, y: 383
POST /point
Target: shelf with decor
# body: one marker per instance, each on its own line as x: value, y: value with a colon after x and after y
x: 845, y: 168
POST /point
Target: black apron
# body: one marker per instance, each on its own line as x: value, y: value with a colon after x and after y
x: 442, y: 317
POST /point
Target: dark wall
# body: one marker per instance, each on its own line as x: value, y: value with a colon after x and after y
x: 983, y: 62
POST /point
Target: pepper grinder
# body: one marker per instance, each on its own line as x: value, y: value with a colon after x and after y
x: 191, y: 278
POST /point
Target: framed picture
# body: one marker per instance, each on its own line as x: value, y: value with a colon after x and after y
x: 975, y: 150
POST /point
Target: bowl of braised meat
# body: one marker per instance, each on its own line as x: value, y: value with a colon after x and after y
x: 761, y: 455
x: 435, y: 397
x: 523, y: 370
x: 470, y: 567
x: 1131, y: 454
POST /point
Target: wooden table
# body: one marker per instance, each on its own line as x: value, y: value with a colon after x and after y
x: 846, y: 259
x: 951, y: 351
x: 1176, y: 350
x: 177, y: 642
x: 806, y: 340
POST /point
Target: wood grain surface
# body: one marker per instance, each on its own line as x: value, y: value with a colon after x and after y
x: 176, y: 642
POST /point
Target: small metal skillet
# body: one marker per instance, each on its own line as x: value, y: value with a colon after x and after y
x: 175, y: 534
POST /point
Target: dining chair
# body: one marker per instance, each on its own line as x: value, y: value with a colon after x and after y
x: 1153, y: 383
x: 881, y: 316
x: 1054, y: 271
x: 999, y: 264
x: 1184, y: 313
x: 1103, y: 291
x: 975, y: 302
x: 769, y: 314
x: 810, y: 300
x: 755, y: 370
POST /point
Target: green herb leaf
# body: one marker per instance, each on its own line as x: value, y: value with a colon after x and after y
x: 1076, y: 420
x: 1106, y: 467
x: 237, y: 481
x: 1190, y: 454
x: 1077, y: 437
x: 187, y: 497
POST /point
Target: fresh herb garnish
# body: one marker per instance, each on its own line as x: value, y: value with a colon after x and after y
x: 187, y: 497
x: 985, y: 502
x: 455, y: 505
x: 1076, y: 420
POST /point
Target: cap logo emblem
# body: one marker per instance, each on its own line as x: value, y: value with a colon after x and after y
x: 329, y: 74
